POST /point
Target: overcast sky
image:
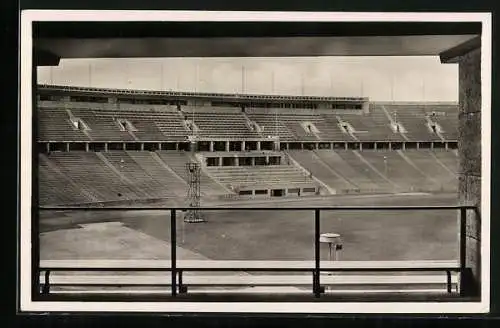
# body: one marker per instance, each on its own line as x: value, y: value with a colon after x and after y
x: 380, y: 78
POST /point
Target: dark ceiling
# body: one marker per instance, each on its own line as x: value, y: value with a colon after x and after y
x: 256, y: 39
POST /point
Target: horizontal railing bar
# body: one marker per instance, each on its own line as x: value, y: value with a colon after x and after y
x: 254, y: 269
x: 106, y: 269
x: 330, y: 208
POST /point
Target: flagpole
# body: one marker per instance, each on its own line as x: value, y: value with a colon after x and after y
x: 161, y: 77
x: 302, y: 83
x: 242, y: 79
x: 275, y: 108
x: 331, y: 83
x: 392, y: 88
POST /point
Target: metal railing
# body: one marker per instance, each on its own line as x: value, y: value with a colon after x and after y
x: 317, y: 289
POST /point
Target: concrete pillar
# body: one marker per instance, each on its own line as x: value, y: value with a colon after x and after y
x: 124, y: 146
x: 469, y: 145
x: 47, y: 147
x: 159, y: 146
x: 375, y: 146
x: 220, y: 161
x: 227, y: 146
x: 176, y: 146
x: 87, y: 146
x: 432, y: 145
x: 316, y: 145
x: 418, y: 145
x: 446, y: 145
x: 331, y: 145
x: 403, y: 146
x: 211, y: 146
x: 253, y: 161
x: 287, y: 146
x: 468, y: 57
x: 360, y: 146
x: 236, y: 161
x: 346, y: 146
x: 258, y: 145
x: 243, y: 145
x: 142, y: 145
x: 67, y: 146
x: 106, y: 146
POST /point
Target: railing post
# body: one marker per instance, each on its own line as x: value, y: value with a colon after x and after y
x: 46, y: 285
x: 448, y: 281
x: 316, y: 280
x: 173, y: 251
x: 463, y: 248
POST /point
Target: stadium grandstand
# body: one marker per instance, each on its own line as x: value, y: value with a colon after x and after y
x: 134, y: 146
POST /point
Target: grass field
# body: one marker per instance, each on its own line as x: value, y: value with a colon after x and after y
x: 232, y: 234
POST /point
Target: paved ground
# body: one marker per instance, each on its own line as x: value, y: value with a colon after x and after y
x: 231, y: 234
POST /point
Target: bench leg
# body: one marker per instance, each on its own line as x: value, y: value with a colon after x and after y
x: 182, y: 288
x: 448, y: 281
x: 316, y: 286
x: 46, y: 285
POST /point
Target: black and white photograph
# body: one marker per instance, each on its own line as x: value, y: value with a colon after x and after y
x: 339, y: 166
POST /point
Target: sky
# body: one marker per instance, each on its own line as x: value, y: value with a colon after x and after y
x: 379, y: 78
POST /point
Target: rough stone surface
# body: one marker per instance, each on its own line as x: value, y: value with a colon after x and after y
x: 469, y: 143
x: 469, y: 188
x: 473, y: 256
x: 469, y: 76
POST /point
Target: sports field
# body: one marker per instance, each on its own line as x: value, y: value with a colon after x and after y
x: 232, y: 234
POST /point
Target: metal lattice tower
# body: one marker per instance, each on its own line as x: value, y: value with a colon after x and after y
x: 193, y: 214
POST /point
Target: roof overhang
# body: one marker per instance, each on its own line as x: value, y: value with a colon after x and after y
x: 135, y: 39
x: 253, y: 47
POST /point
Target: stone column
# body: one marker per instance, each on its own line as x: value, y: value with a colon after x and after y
x: 468, y: 57
x: 469, y: 145
x: 211, y: 146
x: 227, y: 146
x: 258, y: 145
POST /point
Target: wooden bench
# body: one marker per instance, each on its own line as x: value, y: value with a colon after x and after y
x: 340, y: 275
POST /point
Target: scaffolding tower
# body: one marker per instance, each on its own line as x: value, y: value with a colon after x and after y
x: 193, y: 214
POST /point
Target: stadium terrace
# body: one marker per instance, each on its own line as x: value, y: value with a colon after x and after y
x: 136, y: 142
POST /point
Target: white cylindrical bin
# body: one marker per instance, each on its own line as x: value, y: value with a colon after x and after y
x: 334, y: 244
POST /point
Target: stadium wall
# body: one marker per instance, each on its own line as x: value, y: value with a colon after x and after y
x: 469, y: 143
